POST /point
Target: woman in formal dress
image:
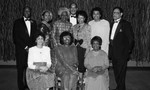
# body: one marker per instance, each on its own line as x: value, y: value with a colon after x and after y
x: 39, y: 76
x: 82, y: 35
x: 100, y: 27
x: 46, y: 27
x: 97, y: 64
x: 66, y: 57
x: 62, y: 24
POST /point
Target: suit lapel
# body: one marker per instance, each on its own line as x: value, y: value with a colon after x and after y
x: 25, y: 27
x: 118, y: 28
x: 111, y: 25
x: 31, y: 31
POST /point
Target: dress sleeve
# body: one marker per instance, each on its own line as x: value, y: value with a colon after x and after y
x: 48, y: 57
x: 106, y: 62
x: 54, y: 33
x: 88, y: 38
x: 106, y: 39
x: 31, y: 58
x: 86, y: 62
x: 75, y: 56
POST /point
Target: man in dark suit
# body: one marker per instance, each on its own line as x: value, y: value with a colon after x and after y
x: 121, y: 44
x: 23, y: 35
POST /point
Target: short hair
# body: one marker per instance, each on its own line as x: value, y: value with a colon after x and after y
x: 27, y: 7
x: 119, y: 8
x: 97, y: 9
x: 45, y: 11
x: 74, y: 4
x: 39, y: 34
x: 96, y: 38
x: 66, y: 33
x: 82, y: 13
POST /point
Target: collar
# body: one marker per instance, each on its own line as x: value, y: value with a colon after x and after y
x: 73, y: 15
x: 117, y: 21
x: 26, y: 19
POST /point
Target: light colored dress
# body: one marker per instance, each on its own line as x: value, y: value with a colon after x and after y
x: 37, y: 80
x: 101, y: 28
x: 97, y: 81
x: 83, y: 33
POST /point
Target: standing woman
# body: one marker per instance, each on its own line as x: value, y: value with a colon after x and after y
x: 97, y: 64
x: 38, y: 74
x: 82, y: 35
x: 62, y: 24
x: 46, y: 28
x: 66, y: 57
x: 100, y: 27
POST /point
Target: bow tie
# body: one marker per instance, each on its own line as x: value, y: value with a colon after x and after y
x: 73, y: 16
x: 27, y: 19
x: 116, y: 21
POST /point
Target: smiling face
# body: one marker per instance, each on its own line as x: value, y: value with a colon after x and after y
x: 73, y: 8
x: 64, y: 16
x: 66, y: 40
x: 27, y: 12
x: 96, y: 15
x: 96, y: 45
x: 117, y: 14
x: 47, y: 16
x: 80, y: 19
x: 40, y: 40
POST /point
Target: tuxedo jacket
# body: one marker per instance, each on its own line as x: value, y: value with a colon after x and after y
x: 21, y: 36
x: 121, y: 46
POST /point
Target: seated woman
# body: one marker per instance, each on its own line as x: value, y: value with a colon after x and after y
x: 38, y: 75
x: 66, y: 57
x: 97, y: 64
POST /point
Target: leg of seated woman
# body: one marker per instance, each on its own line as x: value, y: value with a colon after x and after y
x: 65, y: 81
x: 72, y: 82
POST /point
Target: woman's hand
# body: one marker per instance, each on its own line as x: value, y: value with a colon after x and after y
x: 97, y: 68
x: 43, y: 68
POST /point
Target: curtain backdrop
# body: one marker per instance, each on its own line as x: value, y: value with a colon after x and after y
x: 135, y: 11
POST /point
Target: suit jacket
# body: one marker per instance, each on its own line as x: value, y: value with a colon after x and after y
x: 122, y: 44
x: 21, y: 36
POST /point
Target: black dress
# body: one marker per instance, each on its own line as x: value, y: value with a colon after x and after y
x: 47, y: 31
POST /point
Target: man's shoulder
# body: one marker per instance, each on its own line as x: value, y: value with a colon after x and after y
x: 125, y: 21
x: 18, y: 20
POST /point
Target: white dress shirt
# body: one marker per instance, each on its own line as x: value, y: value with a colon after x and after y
x: 39, y: 55
x: 28, y: 24
x: 73, y: 20
x: 114, y: 29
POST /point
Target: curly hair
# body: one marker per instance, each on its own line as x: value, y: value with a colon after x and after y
x: 96, y: 38
x: 82, y: 13
x: 66, y: 33
x: 97, y: 9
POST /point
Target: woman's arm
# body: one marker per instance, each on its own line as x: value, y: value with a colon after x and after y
x: 54, y: 34
x: 87, y: 39
x: 31, y: 59
x: 86, y: 63
x: 106, y: 62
